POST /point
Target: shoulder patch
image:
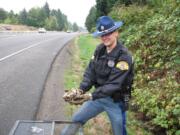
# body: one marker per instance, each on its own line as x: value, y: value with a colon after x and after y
x: 122, y: 65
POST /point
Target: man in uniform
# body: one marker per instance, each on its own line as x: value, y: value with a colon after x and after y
x: 108, y: 71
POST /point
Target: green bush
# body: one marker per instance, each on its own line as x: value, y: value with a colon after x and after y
x: 152, y: 34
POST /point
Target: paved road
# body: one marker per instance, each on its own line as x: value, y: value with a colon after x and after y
x: 25, y: 60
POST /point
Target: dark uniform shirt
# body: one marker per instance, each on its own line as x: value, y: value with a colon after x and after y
x: 107, y: 72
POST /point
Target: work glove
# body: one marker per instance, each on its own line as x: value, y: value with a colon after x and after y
x: 80, y: 99
x: 76, y: 96
x: 70, y: 94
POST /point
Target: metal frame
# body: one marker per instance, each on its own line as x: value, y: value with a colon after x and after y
x: 30, y: 121
x: 13, y: 130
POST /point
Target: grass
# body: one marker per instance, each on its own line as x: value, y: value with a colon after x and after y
x: 82, y: 52
x: 87, y: 46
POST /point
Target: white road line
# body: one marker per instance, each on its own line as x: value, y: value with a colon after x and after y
x: 24, y: 49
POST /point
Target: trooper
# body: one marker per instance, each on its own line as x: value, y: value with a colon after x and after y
x: 108, y: 71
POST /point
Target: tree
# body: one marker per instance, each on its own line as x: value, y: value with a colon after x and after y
x: 141, y: 2
x: 111, y: 3
x: 102, y: 7
x: 58, y: 15
x: 36, y: 17
x: 51, y: 23
x: 23, y: 17
x: 53, y: 12
x: 3, y: 14
x: 11, y: 18
x: 65, y: 20
x: 46, y: 9
x: 61, y: 19
x: 126, y: 2
x: 91, y: 19
x: 75, y: 27
x: 69, y: 26
x: 105, y: 6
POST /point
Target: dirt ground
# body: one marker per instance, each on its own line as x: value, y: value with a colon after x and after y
x: 52, y: 106
x: 11, y: 27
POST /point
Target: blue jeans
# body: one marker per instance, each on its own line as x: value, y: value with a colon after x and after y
x: 113, y: 109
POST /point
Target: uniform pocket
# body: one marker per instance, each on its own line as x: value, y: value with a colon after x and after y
x: 102, y: 68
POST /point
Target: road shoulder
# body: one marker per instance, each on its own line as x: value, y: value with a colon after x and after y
x: 52, y: 104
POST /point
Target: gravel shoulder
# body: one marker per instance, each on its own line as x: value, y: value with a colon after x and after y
x: 52, y: 106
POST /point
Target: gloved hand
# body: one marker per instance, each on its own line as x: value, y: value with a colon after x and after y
x: 80, y: 99
x: 70, y: 94
x: 76, y: 96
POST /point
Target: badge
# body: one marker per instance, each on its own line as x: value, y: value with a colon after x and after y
x: 102, y: 27
x: 111, y: 63
x: 122, y: 65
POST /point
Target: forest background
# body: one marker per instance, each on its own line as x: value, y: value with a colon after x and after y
x: 151, y: 32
